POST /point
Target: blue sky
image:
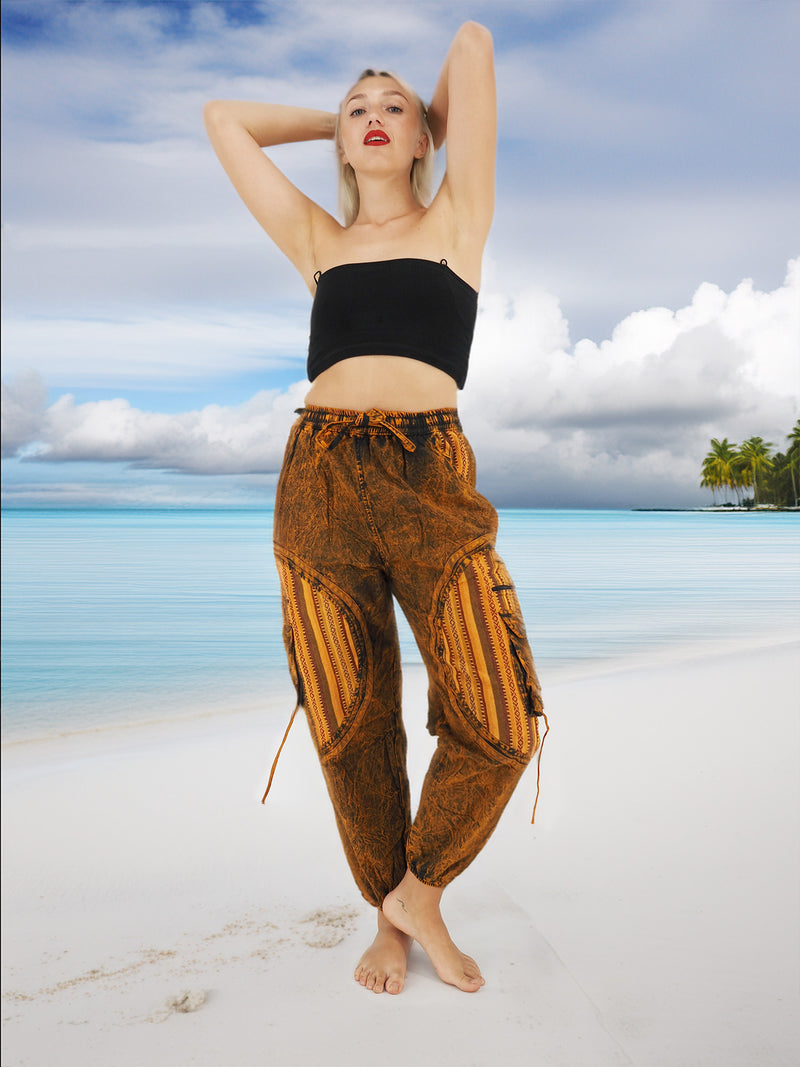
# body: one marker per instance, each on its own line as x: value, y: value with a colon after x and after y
x: 640, y: 290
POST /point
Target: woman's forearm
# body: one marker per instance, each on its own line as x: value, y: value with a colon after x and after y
x: 469, y: 37
x: 270, y: 124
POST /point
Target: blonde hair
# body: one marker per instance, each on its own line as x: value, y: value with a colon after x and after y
x: 421, y: 176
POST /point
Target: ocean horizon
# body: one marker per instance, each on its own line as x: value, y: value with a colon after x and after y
x: 123, y: 615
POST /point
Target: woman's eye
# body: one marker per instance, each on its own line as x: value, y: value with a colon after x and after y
x: 395, y: 109
x: 356, y: 111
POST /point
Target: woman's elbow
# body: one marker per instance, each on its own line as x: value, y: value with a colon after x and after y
x: 210, y: 107
x: 213, y: 113
x: 475, y: 35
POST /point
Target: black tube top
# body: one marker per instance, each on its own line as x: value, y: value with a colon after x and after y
x: 396, y: 307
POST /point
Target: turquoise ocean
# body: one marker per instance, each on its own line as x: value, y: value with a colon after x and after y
x: 123, y: 616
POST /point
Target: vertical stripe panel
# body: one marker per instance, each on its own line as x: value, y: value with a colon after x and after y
x: 479, y: 636
x: 325, y: 650
x: 310, y: 669
x: 313, y: 648
x: 477, y: 648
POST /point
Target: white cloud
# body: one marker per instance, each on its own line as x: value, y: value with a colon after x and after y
x: 628, y: 420
x: 248, y: 438
x: 617, y: 249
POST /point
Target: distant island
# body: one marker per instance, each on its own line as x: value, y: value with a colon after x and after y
x: 773, y: 478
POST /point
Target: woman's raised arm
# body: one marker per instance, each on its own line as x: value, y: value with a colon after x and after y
x: 464, y: 111
x: 238, y: 130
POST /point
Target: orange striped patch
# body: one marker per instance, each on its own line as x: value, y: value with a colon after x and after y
x: 454, y: 447
x: 484, y: 647
x: 328, y: 650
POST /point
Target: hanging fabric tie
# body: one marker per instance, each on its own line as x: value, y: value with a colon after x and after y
x: 278, y: 754
x: 539, y: 764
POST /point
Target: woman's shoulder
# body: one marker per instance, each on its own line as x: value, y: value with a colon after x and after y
x: 430, y: 235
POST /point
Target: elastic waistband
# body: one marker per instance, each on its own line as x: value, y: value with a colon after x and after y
x: 377, y: 422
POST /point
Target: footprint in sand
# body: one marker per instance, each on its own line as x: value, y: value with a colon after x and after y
x: 188, y: 1000
x: 328, y: 927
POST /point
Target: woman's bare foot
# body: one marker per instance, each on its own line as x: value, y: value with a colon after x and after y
x: 383, y: 965
x: 413, y: 907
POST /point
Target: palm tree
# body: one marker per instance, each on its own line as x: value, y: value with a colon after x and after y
x: 719, y: 467
x: 793, y: 456
x: 709, y: 479
x: 753, y: 459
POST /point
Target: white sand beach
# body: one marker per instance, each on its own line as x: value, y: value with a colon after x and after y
x: 650, y: 917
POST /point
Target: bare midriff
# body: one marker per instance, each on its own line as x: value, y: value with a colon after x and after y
x: 389, y: 383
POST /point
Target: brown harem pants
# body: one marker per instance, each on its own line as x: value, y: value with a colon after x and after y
x: 370, y: 505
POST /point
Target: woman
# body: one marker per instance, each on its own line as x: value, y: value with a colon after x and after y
x: 377, y: 492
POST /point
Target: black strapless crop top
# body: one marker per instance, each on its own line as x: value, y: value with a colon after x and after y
x: 396, y: 307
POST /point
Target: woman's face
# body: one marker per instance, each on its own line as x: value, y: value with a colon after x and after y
x: 380, y: 127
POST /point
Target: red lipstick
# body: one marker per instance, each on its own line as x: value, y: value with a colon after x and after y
x: 376, y: 137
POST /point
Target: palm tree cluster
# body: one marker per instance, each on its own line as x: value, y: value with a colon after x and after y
x: 774, y: 479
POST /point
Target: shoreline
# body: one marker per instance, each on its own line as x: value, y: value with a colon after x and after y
x: 270, y: 506
x: 271, y: 710
x: 724, y: 509
x: 648, y: 917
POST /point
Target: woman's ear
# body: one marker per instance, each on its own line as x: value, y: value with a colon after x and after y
x: 341, y: 152
x: 337, y: 140
x: 422, y: 147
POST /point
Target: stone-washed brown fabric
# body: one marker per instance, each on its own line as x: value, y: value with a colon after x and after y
x: 371, y: 505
